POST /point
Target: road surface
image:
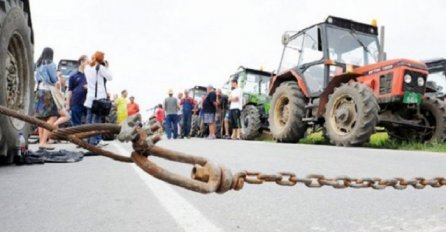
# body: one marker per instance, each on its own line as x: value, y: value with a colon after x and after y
x: 98, y: 194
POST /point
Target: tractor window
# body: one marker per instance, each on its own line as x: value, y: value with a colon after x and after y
x: 302, y: 48
x: 311, y: 47
x: 350, y: 47
x: 314, y: 78
x: 256, y: 84
x: 226, y: 89
x: 291, y: 53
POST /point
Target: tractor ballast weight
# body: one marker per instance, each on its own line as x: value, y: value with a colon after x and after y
x: 330, y: 77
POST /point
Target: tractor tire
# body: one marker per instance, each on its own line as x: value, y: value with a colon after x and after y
x: 434, y: 112
x: 16, y: 74
x: 250, y: 120
x: 195, y: 126
x: 351, y: 115
x: 286, y: 113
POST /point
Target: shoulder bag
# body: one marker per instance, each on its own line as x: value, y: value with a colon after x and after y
x: 100, y: 106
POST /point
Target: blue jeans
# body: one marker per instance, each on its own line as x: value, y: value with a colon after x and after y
x: 187, y: 120
x: 171, y: 121
x: 93, y: 118
x: 77, y: 111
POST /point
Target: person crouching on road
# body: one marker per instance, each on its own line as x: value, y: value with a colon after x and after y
x: 235, y: 107
x: 59, y: 99
x: 209, y: 109
x: 77, y: 92
x: 188, y: 105
x: 100, y: 77
x: 171, y: 109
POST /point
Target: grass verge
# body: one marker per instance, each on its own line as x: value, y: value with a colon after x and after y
x: 379, y: 140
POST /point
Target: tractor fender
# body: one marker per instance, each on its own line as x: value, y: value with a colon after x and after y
x: 290, y: 75
x: 334, y: 82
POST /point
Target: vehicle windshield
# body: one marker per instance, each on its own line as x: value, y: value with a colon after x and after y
x: 68, y: 67
x: 351, y: 47
x: 226, y: 89
x: 256, y: 83
x: 197, y: 93
x: 439, y: 78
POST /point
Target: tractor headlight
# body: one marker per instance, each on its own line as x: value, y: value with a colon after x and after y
x: 407, y: 78
x: 420, y: 81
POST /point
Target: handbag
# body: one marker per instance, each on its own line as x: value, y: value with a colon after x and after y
x: 102, y: 106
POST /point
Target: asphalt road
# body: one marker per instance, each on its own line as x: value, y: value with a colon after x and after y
x: 98, y: 194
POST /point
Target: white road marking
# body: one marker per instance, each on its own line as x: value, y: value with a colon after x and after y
x: 185, y: 214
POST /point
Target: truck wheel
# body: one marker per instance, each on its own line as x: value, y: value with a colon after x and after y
x: 433, y: 113
x: 250, y: 120
x: 286, y: 113
x: 16, y: 72
x: 351, y: 115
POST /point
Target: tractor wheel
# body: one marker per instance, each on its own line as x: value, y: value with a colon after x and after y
x: 16, y: 74
x: 195, y: 126
x: 250, y: 120
x: 286, y: 113
x: 433, y: 113
x: 351, y: 115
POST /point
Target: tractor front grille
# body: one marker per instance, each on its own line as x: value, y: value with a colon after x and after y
x: 413, y: 85
x: 385, y: 83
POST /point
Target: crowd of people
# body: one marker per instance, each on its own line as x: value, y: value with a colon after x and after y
x: 212, y: 109
x: 59, y: 103
x: 72, y: 103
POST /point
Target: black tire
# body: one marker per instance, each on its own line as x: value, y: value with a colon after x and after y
x: 351, y: 115
x: 434, y: 112
x: 250, y: 120
x: 195, y: 126
x: 16, y: 73
x: 286, y: 113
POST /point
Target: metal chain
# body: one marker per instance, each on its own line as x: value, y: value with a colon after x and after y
x: 206, y: 176
x: 342, y: 182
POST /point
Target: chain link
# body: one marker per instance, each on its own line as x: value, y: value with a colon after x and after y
x: 341, y: 182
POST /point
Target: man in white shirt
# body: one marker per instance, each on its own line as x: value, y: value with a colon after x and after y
x: 236, y: 98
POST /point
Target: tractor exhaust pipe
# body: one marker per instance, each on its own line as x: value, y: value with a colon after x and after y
x: 382, y: 55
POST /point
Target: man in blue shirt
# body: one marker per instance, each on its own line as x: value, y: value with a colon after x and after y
x: 77, y: 92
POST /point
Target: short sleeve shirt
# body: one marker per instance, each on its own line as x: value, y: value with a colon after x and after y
x: 238, y: 104
x: 76, y: 84
x: 208, y: 104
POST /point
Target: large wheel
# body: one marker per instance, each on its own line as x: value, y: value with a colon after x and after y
x: 351, y: 115
x: 250, y: 120
x: 286, y: 113
x: 195, y: 126
x: 16, y: 73
x: 433, y: 113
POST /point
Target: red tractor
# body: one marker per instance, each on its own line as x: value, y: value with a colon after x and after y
x: 330, y: 78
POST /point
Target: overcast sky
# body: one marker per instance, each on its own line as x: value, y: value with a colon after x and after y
x: 154, y: 45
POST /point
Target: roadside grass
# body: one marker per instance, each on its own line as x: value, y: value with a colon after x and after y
x: 378, y: 140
